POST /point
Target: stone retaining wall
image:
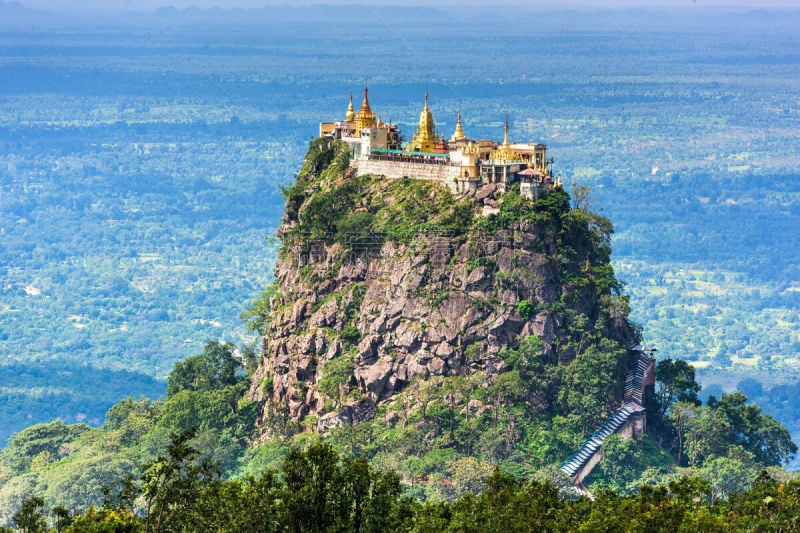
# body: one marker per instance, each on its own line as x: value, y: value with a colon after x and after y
x: 445, y: 174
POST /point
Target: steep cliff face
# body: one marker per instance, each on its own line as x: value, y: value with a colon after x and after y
x: 382, y: 284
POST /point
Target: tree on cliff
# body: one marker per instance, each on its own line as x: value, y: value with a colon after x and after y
x: 31, y: 518
x: 214, y: 369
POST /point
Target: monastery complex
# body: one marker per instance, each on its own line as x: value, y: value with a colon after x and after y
x: 461, y: 163
x: 465, y: 164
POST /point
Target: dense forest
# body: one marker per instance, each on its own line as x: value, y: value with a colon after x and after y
x: 188, y: 463
x: 319, y: 490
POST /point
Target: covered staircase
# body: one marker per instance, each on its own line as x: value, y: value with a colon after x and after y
x: 590, y: 446
x: 635, y: 381
x: 624, y: 419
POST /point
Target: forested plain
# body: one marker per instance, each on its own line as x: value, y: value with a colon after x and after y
x: 140, y: 165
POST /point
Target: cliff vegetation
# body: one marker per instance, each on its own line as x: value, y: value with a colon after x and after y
x: 418, y: 346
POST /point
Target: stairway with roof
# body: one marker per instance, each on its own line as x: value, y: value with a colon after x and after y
x: 628, y: 420
x: 635, y: 381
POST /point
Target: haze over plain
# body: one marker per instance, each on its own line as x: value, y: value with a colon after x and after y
x: 60, y: 5
x: 688, y: 143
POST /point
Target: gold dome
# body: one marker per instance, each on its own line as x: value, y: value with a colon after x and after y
x: 351, y: 113
x: 365, y: 118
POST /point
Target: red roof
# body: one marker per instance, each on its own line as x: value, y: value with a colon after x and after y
x: 529, y: 172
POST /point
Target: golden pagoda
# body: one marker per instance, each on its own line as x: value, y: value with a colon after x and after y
x: 458, y: 135
x: 351, y: 113
x: 504, y: 152
x: 425, y: 138
x: 365, y: 118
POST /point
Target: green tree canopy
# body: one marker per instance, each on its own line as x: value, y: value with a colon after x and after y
x: 760, y: 434
x: 31, y: 518
x: 215, y: 368
x: 38, y: 439
x: 675, y: 382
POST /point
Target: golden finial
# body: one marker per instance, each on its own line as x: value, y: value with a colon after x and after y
x: 504, y: 152
x: 365, y: 102
x: 365, y: 118
x: 351, y: 113
x: 459, y: 133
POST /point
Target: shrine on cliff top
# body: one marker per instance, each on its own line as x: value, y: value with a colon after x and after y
x: 460, y: 162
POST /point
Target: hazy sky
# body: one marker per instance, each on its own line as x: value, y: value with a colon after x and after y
x: 147, y: 5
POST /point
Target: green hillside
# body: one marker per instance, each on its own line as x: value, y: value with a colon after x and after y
x: 441, y: 439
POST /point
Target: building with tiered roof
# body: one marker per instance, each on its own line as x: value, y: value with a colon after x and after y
x: 461, y: 163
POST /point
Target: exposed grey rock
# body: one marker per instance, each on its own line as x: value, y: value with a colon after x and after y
x: 436, y: 367
x: 368, y: 349
x: 372, y: 378
x: 486, y: 192
x: 424, y: 304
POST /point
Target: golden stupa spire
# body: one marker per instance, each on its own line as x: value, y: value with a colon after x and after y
x: 365, y: 101
x: 426, y: 124
x: 351, y: 113
x: 504, y: 152
x: 365, y: 118
x: 425, y: 138
x: 459, y: 133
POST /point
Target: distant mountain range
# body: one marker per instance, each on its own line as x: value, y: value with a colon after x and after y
x: 357, y: 14
x: 17, y: 10
x: 14, y: 13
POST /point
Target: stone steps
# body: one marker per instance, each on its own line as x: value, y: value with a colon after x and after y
x: 591, y: 445
x: 633, y: 400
